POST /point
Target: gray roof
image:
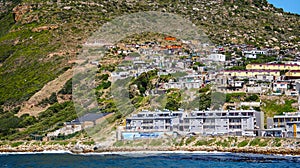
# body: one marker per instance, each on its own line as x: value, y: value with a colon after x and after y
x: 91, y: 117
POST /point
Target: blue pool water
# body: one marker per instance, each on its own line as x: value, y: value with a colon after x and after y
x: 143, y: 160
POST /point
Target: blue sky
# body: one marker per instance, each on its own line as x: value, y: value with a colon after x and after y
x: 287, y: 5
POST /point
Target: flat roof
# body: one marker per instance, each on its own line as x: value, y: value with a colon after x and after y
x: 91, y: 117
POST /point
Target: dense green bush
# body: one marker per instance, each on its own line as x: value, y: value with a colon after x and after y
x: 67, y: 88
x: 243, y: 143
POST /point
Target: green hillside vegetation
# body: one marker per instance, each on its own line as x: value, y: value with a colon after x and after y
x: 240, y: 97
x: 49, y: 120
x: 26, y: 68
x: 45, y: 40
x: 273, y: 107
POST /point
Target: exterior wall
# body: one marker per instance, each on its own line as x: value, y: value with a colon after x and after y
x: 189, y: 82
x: 254, y: 89
x: 293, y: 129
x: 148, y: 120
x: 250, y: 55
x: 294, y: 74
x: 267, y: 77
x: 280, y: 86
x: 217, y: 57
x: 249, y: 73
x: 66, y: 130
x: 272, y: 67
x: 287, y: 122
x: 203, y: 122
x: 298, y: 86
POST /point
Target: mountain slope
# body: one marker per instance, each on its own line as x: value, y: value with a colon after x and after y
x: 39, y: 40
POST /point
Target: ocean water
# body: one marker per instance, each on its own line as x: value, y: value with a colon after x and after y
x: 148, y: 160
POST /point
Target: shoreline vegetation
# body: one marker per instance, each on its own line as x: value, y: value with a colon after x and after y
x: 254, y: 145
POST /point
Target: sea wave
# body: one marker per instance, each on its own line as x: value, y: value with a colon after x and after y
x: 41, y: 152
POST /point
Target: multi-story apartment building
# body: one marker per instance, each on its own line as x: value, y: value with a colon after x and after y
x: 252, y: 73
x: 293, y: 74
x: 289, y: 123
x: 186, y: 82
x: 152, y: 120
x: 273, y: 67
x: 239, y: 122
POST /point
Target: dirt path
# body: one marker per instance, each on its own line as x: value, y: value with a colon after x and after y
x: 31, y: 106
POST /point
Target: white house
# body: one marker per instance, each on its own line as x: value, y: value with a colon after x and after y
x: 217, y: 57
x: 253, y: 53
x: 280, y: 86
x: 250, y: 54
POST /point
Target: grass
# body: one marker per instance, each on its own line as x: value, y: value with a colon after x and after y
x: 190, y: 140
x: 277, y: 142
x: 62, y: 143
x: 16, y: 144
x: 272, y: 107
x: 89, y: 143
x: 254, y: 142
x: 204, y: 142
x: 264, y: 143
x: 118, y: 143
x: 243, y: 143
x: 155, y: 142
x: 223, y: 143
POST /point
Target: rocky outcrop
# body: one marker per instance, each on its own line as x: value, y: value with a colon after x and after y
x: 20, y: 10
x: 42, y: 28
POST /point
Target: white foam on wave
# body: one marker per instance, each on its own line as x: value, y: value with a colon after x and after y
x: 32, y: 153
x: 149, y: 153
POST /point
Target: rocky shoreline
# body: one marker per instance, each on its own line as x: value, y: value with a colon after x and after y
x: 93, y: 149
x: 252, y: 150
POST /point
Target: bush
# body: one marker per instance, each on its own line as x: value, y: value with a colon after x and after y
x: 264, y: 143
x: 204, y: 142
x: 104, y: 77
x: 255, y: 142
x: 53, y: 98
x: 16, y: 144
x: 67, y: 88
x: 243, y: 143
x: 252, y: 97
x: 104, y: 85
x: 189, y: 140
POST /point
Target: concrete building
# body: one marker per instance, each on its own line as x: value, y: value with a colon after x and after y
x: 293, y: 74
x: 238, y: 122
x: 186, y: 82
x: 217, y: 57
x: 273, y: 67
x: 90, y: 119
x: 289, y: 122
x: 152, y: 120
x: 280, y: 86
x: 254, y: 53
x: 252, y: 73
